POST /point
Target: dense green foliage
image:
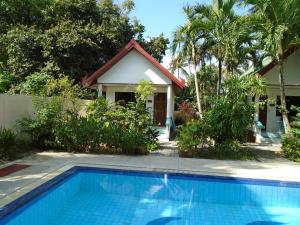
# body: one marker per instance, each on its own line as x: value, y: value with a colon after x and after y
x: 35, y: 84
x: 225, y: 124
x: 215, y: 34
x: 59, y: 124
x: 291, y: 141
x: 67, y: 37
x: 7, y: 143
x: 7, y: 80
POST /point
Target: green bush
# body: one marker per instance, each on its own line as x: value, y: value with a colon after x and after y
x: 291, y: 141
x: 48, y: 116
x: 225, y: 124
x: 7, y: 143
x: 127, y: 128
x: 191, y: 135
x: 76, y: 133
x: 229, y: 121
x: 35, y: 84
x: 7, y: 80
x: 57, y: 123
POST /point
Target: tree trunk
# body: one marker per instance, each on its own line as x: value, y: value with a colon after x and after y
x: 219, y: 78
x: 197, y: 88
x: 285, y: 119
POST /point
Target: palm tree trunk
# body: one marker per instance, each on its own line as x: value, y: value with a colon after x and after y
x: 219, y: 78
x: 285, y: 119
x: 197, y: 88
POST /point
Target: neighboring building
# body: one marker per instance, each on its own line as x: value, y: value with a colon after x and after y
x: 270, y: 116
x: 118, y: 78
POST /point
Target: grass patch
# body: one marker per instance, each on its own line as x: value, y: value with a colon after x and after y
x: 225, y: 151
x: 215, y: 153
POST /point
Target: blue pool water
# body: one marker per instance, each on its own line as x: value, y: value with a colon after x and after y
x: 88, y: 196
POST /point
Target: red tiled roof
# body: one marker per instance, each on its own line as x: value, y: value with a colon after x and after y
x: 272, y: 64
x: 88, y: 81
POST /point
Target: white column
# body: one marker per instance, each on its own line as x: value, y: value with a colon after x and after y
x: 256, y: 115
x: 169, y: 105
x: 256, y: 128
x: 100, y: 89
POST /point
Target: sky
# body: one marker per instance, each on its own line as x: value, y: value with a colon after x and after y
x: 162, y: 16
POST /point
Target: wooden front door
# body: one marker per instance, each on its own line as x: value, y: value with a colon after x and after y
x: 160, y: 109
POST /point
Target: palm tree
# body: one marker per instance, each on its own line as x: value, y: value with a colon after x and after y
x: 187, y: 53
x: 214, y: 20
x: 279, y: 20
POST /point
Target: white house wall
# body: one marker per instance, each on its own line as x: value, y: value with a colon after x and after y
x: 292, y: 82
x: 132, y: 69
x: 272, y: 119
x: 291, y: 71
x: 111, y: 90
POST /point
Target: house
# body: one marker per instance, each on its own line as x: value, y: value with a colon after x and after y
x: 118, y: 78
x: 269, y: 115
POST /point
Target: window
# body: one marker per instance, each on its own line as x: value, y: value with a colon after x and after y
x: 290, y: 100
x: 124, y: 97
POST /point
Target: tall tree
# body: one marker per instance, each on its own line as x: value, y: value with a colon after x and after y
x: 70, y: 37
x: 279, y: 28
x: 187, y: 52
x: 214, y: 20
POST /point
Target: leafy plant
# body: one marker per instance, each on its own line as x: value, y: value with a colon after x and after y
x: 291, y: 140
x: 48, y: 114
x: 35, y: 84
x: 186, y: 112
x: 191, y: 135
x: 229, y: 120
x: 7, y: 143
x: 7, y: 80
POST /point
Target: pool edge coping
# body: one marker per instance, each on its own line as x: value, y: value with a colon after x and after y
x: 13, y: 201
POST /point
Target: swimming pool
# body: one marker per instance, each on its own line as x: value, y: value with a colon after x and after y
x: 93, y: 196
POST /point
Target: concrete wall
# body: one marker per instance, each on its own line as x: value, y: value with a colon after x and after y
x: 132, y: 69
x: 13, y: 108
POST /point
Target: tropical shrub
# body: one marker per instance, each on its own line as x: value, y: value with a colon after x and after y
x: 127, y: 128
x: 7, y: 143
x: 191, y: 135
x: 186, y: 112
x: 77, y: 133
x: 58, y: 123
x: 229, y: 121
x: 48, y: 114
x: 7, y: 80
x: 291, y: 140
x: 226, y: 123
x: 35, y: 84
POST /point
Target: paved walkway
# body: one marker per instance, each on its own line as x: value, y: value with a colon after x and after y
x: 46, y: 165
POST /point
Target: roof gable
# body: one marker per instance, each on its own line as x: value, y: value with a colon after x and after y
x: 263, y: 71
x: 125, y: 51
x: 131, y: 69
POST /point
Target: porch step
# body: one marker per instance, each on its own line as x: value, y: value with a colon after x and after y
x: 169, y: 149
x: 269, y: 138
x: 163, y: 134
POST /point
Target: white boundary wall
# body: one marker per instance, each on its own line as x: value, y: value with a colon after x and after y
x: 13, y: 108
x: 16, y: 107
